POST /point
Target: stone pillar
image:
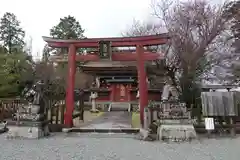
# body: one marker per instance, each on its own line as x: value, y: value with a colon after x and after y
x: 93, y: 104
x: 93, y: 98
x: 70, y: 86
x: 143, y: 91
x: 97, y: 82
x: 146, y: 119
x: 138, y: 100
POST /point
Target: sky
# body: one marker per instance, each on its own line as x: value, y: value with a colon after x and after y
x: 99, y: 18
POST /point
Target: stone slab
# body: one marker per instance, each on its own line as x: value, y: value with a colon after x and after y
x: 101, y: 130
x: 176, y: 121
x: 27, y: 132
x: 27, y: 123
x: 179, y: 132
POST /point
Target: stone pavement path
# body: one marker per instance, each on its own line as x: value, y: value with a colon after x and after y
x: 114, y: 119
x: 98, y: 147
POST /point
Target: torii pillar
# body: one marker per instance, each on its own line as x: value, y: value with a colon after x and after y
x: 68, y: 121
x: 142, y: 83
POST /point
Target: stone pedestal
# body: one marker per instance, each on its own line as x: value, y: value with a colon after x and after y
x: 3, y: 127
x: 175, y: 123
x: 29, y: 122
x: 30, y: 130
x: 176, y: 132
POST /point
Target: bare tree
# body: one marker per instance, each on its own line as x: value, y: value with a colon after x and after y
x: 200, y: 33
x: 233, y: 10
x: 199, y: 40
x: 144, y: 28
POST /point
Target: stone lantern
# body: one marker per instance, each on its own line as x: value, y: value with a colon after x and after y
x: 93, y: 97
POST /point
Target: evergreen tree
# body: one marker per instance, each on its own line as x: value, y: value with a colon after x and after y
x: 15, y: 70
x: 67, y: 28
x: 11, y: 34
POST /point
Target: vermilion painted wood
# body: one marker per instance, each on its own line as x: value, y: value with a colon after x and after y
x: 88, y: 57
x: 143, y: 91
x: 125, y: 56
x: 147, y: 56
x: 111, y: 39
x: 115, y: 41
x: 70, y: 86
x: 113, y: 44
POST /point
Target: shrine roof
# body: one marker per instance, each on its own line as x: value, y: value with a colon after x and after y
x: 107, y: 67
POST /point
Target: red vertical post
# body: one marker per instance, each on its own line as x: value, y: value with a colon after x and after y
x: 112, y: 92
x: 70, y: 86
x: 142, y: 83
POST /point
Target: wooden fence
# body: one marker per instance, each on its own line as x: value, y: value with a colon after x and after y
x: 55, y: 112
x: 9, y: 106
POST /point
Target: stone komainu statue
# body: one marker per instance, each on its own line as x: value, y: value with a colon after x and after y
x: 34, y: 95
x: 169, y: 91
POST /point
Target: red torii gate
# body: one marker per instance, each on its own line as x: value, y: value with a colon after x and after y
x: 139, y: 42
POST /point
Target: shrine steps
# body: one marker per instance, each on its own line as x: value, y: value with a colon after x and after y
x: 101, y: 130
x: 119, y: 106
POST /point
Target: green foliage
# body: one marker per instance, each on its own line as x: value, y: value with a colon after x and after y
x: 54, y: 76
x: 15, y: 70
x: 11, y: 34
x: 16, y: 66
x: 67, y: 28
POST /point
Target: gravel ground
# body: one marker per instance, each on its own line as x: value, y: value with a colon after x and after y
x: 115, y: 147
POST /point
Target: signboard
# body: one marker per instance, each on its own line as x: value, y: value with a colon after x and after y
x: 209, y: 123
